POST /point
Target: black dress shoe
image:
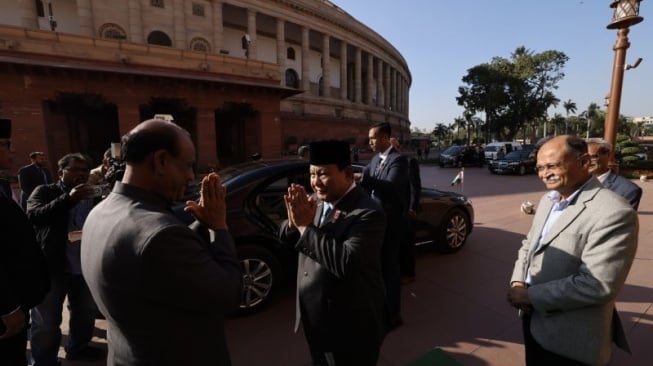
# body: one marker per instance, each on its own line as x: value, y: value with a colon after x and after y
x: 87, y: 353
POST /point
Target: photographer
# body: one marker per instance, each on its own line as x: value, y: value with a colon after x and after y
x: 97, y: 175
x: 58, y: 212
x: 110, y: 171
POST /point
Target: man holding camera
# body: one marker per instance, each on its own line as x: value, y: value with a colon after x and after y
x: 58, y: 212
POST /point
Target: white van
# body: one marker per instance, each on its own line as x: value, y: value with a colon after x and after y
x: 493, y: 148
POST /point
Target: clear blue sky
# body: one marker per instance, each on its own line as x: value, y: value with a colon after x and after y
x: 442, y: 39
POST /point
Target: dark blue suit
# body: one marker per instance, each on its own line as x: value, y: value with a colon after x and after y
x: 30, y: 177
x: 624, y: 187
x: 388, y: 184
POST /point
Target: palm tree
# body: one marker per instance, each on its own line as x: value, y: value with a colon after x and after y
x: 441, y: 131
x: 592, y: 115
x: 459, y: 122
x: 569, y: 106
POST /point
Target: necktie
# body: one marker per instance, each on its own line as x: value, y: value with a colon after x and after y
x: 379, y: 168
x: 45, y: 177
x: 325, y: 213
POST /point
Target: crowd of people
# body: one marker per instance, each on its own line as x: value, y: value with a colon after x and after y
x: 160, y: 282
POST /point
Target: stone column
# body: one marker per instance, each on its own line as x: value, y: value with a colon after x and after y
x: 400, y: 93
x: 370, y: 79
x: 306, y: 68
x: 359, y: 76
x: 218, y: 31
x: 179, y: 24
x: 28, y: 16
x: 135, y: 22
x: 326, y: 65
x: 380, y: 95
x: 85, y: 15
x: 395, y: 89
x: 343, y: 70
x: 281, y: 49
x: 407, y: 102
x: 388, y: 86
x: 251, y: 30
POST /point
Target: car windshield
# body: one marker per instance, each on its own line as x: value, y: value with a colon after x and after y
x: 492, y: 148
x: 453, y: 150
x: 513, y: 155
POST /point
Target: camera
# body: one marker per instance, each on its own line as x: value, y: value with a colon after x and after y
x: 116, y: 168
x: 97, y: 191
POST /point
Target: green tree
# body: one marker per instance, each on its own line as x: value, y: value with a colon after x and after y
x: 513, y: 92
x: 594, y: 119
x: 569, y: 106
x: 441, y: 131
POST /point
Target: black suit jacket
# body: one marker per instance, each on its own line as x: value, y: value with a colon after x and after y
x: 30, y: 177
x: 162, y: 288
x: 24, y: 280
x: 415, y: 184
x: 340, y: 293
x: 48, y: 208
x: 388, y: 183
x: 624, y: 187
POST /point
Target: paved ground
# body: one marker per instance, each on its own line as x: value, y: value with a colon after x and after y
x: 458, y: 301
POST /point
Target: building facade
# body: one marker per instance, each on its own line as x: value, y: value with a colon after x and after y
x: 243, y: 76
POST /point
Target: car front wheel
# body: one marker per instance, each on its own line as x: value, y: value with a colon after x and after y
x: 455, y: 228
x: 261, y: 277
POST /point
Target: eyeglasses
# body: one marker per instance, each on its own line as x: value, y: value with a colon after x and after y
x: 6, y: 143
x: 550, y: 166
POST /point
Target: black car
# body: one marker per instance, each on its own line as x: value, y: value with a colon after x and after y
x: 515, y: 162
x: 460, y: 156
x: 255, y: 209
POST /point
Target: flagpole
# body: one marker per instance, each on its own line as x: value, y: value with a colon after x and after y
x: 462, y: 179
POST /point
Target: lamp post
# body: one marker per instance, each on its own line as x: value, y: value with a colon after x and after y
x: 626, y: 13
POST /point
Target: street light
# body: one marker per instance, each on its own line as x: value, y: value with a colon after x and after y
x: 626, y: 13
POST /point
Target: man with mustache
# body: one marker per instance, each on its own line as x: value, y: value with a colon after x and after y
x: 58, y: 212
x: 599, y: 151
x: 573, y: 262
x: 338, y: 233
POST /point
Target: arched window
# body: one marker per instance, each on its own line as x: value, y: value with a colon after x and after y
x: 292, y: 79
x: 290, y: 53
x: 200, y: 45
x: 159, y: 38
x: 112, y: 31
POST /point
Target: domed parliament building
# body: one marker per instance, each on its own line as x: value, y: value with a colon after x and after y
x: 242, y: 76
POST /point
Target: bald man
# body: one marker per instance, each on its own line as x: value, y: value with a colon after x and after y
x: 163, y: 289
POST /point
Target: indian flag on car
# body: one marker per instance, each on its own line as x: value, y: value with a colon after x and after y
x: 458, y: 179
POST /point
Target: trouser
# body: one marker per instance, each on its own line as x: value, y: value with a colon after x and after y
x: 407, y: 250
x: 536, y: 355
x: 390, y: 268
x: 45, y: 333
x: 363, y: 353
x: 359, y: 357
x: 13, y: 350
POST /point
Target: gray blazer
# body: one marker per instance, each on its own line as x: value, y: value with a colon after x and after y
x: 163, y: 289
x: 576, y: 273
